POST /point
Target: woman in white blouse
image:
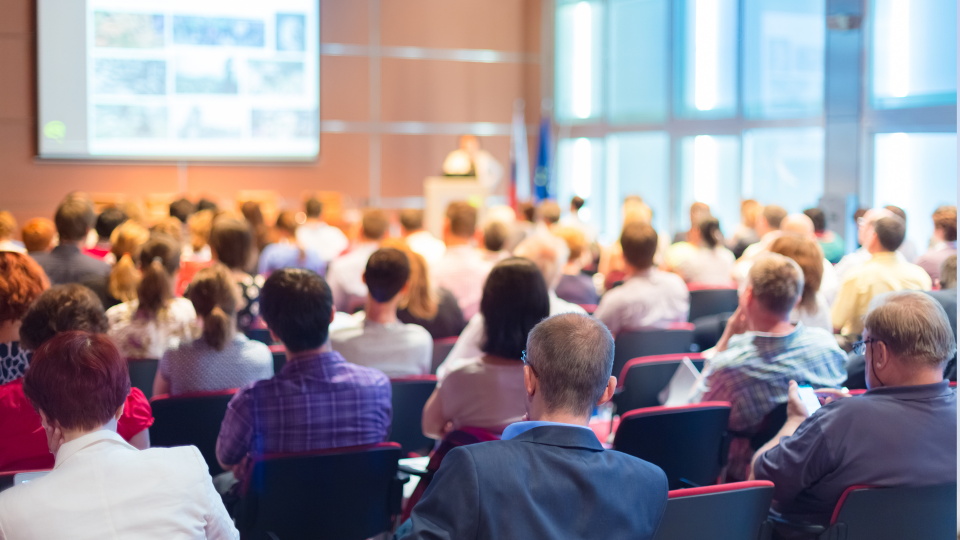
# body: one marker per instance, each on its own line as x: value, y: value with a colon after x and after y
x: 709, y: 262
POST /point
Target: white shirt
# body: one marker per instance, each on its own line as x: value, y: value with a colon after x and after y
x: 462, y: 270
x: 101, y: 488
x: 396, y: 349
x: 708, y: 266
x: 345, y: 277
x: 427, y: 245
x: 327, y: 241
x: 649, y: 299
x: 817, y: 319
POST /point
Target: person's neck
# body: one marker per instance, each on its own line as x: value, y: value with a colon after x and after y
x: 76, y: 243
x: 454, y: 241
x: 877, y: 250
x: 769, y: 324
x: 912, y: 377
x: 74, y: 434
x: 631, y: 270
x: 309, y: 353
x: 381, y: 312
x: 10, y: 331
x: 559, y: 417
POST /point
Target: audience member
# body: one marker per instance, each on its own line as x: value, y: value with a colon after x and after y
x: 698, y: 211
x: 648, y: 297
x: 760, y: 351
x: 38, y: 235
x: 902, y: 432
x: 433, y: 308
x: 61, y: 308
x: 21, y: 282
x: 494, y: 237
x: 813, y: 310
x: 182, y: 209
x: 285, y: 252
x: 943, y: 245
x: 199, y: 226
x: 550, y: 254
x: 253, y: 214
x: 746, y: 232
x: 103, y: 487
x: 120, y: 286
x: 318, y: 400
x: 419, y: 239
x: 907, y: 249
x: 221, y: 358
x: 884, y: 272
x: 574, y: 220
x: 231, y: 243
x: 207, y: 204
x: 487, y: 391
x: 521, y: 227
x: 548, y: 215
x: 169, y: 226
x: 462, y: 268
x: 107, y: 222
x: 768, y: 228
x: 66, y: 263
x: 947, y: 297
x: 8, y: 228
x: 852, y: 261
x: 315, y: 234
x: 575, y: 286
x: 345, y: 274
x: 711, y: 263
x: 830, y: 242
x: 154, y: 320
x: 527, y: 485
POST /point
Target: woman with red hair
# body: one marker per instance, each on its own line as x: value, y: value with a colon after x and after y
x: 21, y: 282
x: 102, y: 487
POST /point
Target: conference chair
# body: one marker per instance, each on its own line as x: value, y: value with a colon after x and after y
x: 875, y: 513
x: 708, y: 300
x: 708, y: 330
x: 279, y: 357
x: 688, y: 442
x: 641, y: 380
x: 736, y: 511
x: 143, y: 371
x: 191, y: 419
x: 441, y: 348
x: 343, y: 493
x: 258, y: 331
x: 677, y: 338
x: 410, y: 394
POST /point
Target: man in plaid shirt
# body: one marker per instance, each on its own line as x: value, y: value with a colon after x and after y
x: 761, y: 352
x: 318, y: 400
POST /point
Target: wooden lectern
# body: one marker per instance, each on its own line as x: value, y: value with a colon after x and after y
x: 439, y: 191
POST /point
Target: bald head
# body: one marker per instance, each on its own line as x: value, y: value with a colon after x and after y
x: 798, y: 224
x: 548, y: 252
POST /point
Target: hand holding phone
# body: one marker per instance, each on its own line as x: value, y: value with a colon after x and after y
x: 809, y: 398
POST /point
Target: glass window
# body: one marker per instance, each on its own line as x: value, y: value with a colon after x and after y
x: 580, y: 172
x: 579, y: 28
x: 638, y: 164
x: 784, y: 167
x: 710, y: 173
x: 708, y: 79
x: 914, y: 53
x: 783, y: 48
x: 638, y: 61
x: 917, y: 172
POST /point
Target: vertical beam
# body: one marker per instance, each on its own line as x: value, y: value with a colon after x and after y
x: 373, y: 197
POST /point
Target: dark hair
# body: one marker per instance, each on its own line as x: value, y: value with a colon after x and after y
x: 818, y: 217
x: 213, y: 292
x: 313, y: 207
x: 159, y: 260
x: 388, y: 270
x: 639, y: 243
x: 108, y: 220
x: 945, y: 219
x: 526, y: 211
x: 577, y: 203
x: 21, y: 282
x: 374, y: 223
x: 287, y: 222
x: 515, y: 299
x: 494, y: 235
x: 462, y: 218
x: 898, y: 212
x: 182, y: 209
x: 710, y: 232
x: 62, y: 308
x: 297, y: 306
x: 207, y: 204
x: 549, y: 211
x: 573, y: 358
x: 73, y: 219
x: 774, y: 215
x: 890, y: 231
x: 252, y: 213
x: 411, y: 219
x: 232, y: 242
x: 78, y: 379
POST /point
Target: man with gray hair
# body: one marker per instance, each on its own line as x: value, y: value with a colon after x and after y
x: 549, y: 477
x: 901, y: 432
x: 760, y: 351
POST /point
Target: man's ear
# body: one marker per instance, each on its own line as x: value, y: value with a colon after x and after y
x: 363, y: 277
x: 880, y: 355
x: 529, y: 381
x: 608, y: 391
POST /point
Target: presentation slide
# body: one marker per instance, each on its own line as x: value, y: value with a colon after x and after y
x: 208, y: 80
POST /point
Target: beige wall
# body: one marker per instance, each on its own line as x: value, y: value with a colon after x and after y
x: 411, y: 90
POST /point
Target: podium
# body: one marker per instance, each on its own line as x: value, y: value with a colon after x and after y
x: 440, y: 191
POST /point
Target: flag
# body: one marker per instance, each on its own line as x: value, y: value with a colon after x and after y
x: 542, y: 178
x: 519, y: 157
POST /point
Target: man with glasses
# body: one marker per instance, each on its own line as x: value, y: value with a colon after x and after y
x: 549, y: 477
x: 901, y: 432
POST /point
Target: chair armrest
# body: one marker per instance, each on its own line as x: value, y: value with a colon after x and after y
x: 780, y: 524
x: 414, y: 472
x: 396, y: 492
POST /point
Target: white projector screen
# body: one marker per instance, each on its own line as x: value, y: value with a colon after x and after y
x: 206, y: 80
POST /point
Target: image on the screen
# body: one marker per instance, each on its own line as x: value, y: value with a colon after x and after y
x: 179, y: 79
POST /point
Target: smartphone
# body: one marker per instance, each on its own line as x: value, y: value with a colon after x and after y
x: 809, y: 398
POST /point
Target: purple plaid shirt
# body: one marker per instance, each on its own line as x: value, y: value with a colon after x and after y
x: 312, y: 404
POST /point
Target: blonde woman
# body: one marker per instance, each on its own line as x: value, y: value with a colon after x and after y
x: 120, y: 285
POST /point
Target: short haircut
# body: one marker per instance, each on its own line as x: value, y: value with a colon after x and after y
x: 549, y: 212
x: 182, y: 209
x: 232, y: 242
x: 462, y: 218
x: 21, y: 282
x: 806, y: 253
x: 514, y: 300
x: 411, y: 219
x: 388, y: 270
x: 913, y: 326
x: 639, y: 243
x: 375, y: 223
x: 818, y: 217
x: 62, y: 308
x: 37, y: 234
x: 577, y: 203
x: 297, y: 306
x: 495, y: 235
x: 287, y: 222
x: 774, y: 215
x: 777, y: 283
x: 572, y: 355
x: 169, y: 226
x: 890, y: 231
x: 313, y: 207
x: 73, y: 219
x: 575, y: 239
x: 948, y: 273
x: 898, y: 212
x: 8, y: 225
x: 108, y: 220
x: 945, y: 219
x: 78, y: 379
x: 526, y: 211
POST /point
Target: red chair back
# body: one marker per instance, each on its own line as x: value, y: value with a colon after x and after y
x: 410, y: 394
x: 678, y: 338
x: 642, y: 379
x: 441, y: 348
x: 191, y: 419
x: 736, y: 511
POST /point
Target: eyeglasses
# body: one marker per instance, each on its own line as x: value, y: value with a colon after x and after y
x: 523, y: 357
x: 861, y: 346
